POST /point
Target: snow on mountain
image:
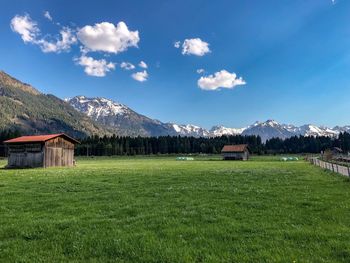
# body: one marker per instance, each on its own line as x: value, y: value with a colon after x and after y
x: 97, y: 107
x: 125, y: 121
x: 190, y: 130
x: 120, y: 118
x: 268, y: 129
x: 313, y: 130
x: 342, y: 129
x: 221, y: 130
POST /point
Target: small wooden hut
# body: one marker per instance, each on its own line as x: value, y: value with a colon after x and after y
x: 41, y: 151
x: 235, y: 152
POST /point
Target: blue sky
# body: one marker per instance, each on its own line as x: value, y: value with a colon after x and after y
x: 286, y: 60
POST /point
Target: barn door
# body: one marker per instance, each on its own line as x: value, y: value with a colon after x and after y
x: 53, y: 156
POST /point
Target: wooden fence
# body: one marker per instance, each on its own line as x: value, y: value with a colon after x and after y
x: 343, y: 170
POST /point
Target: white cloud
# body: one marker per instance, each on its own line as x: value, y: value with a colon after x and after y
x: 177, y: 44
x: 94, y: 67
x: 127, y: 66
x: 200, y: 71
x: 143, y: 64
x: 221, y: 79
x: 108, y: 38
x: 140, y: 76
x: 47, y: 15
x: 26, y: 27
x: 30, y: 33
x: 195, y: 46
x: 67, y: 39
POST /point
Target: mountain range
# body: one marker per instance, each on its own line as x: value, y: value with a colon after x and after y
x: 127, y: 122
x: 25, y: 108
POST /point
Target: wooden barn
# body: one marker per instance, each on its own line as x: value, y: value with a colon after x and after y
x: 235, y: 152
x: 41, y: 151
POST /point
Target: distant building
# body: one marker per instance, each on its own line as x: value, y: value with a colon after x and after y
x: 235, y: 152
x: 41, y: 151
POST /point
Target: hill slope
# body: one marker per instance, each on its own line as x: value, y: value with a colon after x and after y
x: 25, y: 108
x: 120, y: 118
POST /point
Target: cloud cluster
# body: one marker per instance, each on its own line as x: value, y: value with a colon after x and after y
x: 30, y: 33
x: 101, y: 37
x: 140, y: 76
x: 113, y: 39
x: 221, y: 79
x: 94, y: 67
x: 127, y: 66
x: 193, y: 46
x: 107, y: 37
x: 63, y: 44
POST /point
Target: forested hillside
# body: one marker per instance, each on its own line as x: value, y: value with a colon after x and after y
x: 26, y: 109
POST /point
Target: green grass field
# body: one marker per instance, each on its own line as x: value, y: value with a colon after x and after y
x: 162, y: 210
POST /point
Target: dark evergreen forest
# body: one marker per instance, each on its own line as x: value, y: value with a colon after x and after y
x: 116, y: 145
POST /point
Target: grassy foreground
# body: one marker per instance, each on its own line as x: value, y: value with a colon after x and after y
x: 162, y: 210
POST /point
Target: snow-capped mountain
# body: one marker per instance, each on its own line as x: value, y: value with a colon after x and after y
x: 98, y: 107
x: 190, y: 130
x: 313, y: 130
x: 221, y: 130
x: 268, y: 129
x: 342, y: 129
x: 120, y: 118
x: 125, y: 121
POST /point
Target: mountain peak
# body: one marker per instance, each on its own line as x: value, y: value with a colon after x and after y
x: 270, y: 122
x: 97, y: 107
x: 220, y: 130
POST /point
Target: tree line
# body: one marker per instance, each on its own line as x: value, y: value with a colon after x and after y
x: 124, y: 145
x: 116, y: 145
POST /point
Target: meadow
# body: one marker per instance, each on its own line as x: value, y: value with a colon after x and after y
x: 157, y: 209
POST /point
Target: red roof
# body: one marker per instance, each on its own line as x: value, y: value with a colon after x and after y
x: 39, y: 138
x: 235, y: 148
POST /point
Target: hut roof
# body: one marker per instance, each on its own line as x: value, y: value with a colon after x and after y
x: 235, y: 148
x: 40, y: 138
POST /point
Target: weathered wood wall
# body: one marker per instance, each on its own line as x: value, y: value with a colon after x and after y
x: 58, y: 152
x: 235, y: 156
x: 25, y: 155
